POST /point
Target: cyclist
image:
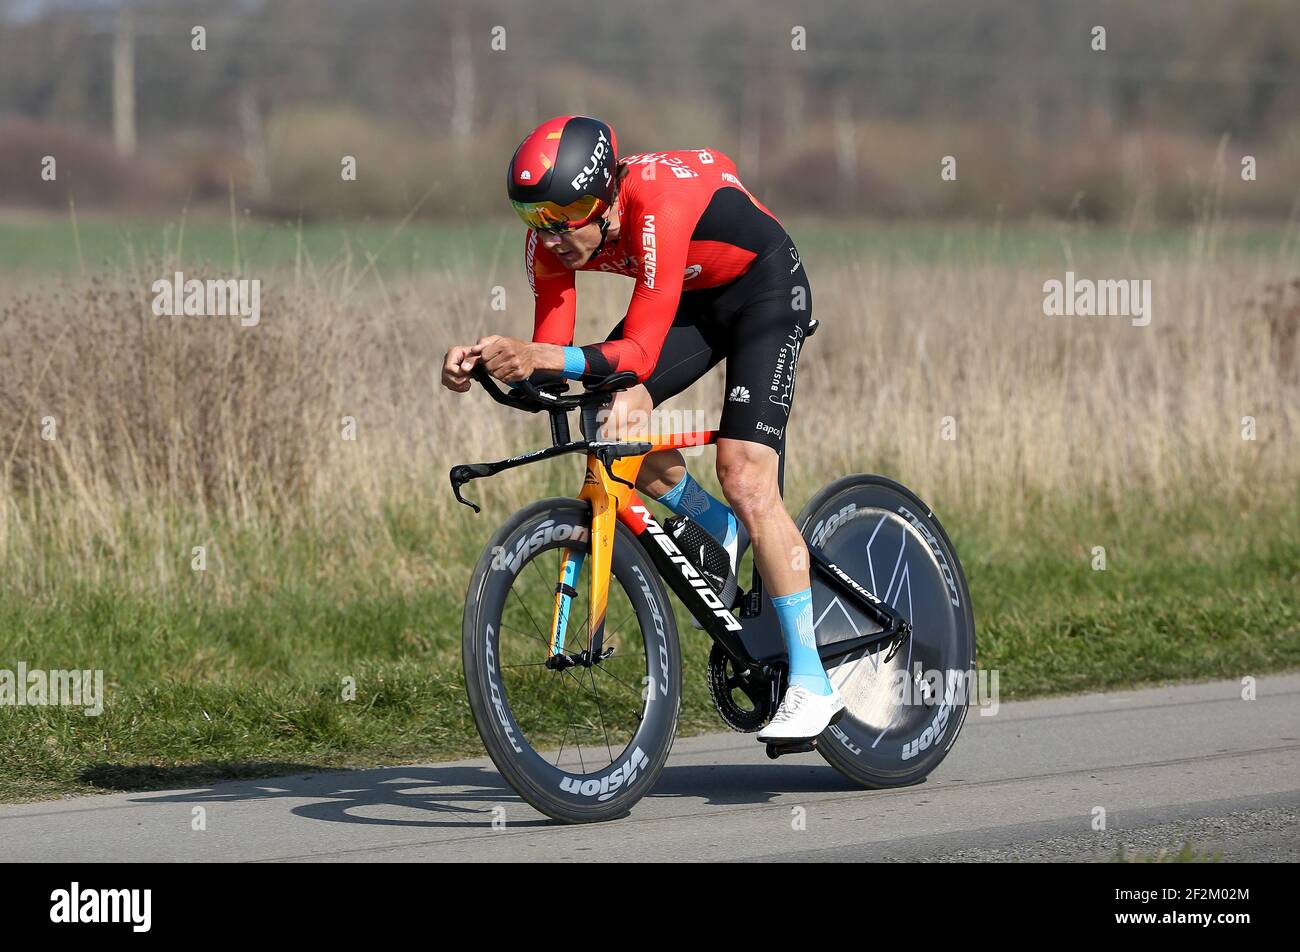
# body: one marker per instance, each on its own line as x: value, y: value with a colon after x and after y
x: 717, y: 277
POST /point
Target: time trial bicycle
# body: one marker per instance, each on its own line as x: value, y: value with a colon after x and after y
x: 573, y: 665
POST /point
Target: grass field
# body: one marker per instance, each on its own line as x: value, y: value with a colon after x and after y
x: 332, y: 559
x: 42, y: 244
x: 199, y: 689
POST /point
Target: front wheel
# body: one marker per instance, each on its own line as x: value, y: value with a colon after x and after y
x: 905, y: 702
x: 580, y: 744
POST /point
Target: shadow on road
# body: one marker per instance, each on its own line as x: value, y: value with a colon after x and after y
x: 453, y: 796
x: 467, y: 796
x: 749, y: 784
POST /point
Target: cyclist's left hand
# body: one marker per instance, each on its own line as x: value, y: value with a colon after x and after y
x: 506, y: 358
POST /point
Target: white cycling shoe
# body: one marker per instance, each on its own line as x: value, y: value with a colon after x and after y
x: 802, y: 715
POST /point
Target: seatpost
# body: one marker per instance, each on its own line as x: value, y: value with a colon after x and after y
x: 591, y: 421
x: 559, y: 426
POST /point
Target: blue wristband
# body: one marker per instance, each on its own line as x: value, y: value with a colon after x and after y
x: 575, y: 363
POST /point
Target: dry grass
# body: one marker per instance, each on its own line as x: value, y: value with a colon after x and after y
x: 174, y: 432
x: 1085, y: 408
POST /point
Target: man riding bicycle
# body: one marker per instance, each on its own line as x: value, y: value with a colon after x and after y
x: 717, y: 278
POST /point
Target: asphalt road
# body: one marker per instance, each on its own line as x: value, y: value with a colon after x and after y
x: 1168, y: 765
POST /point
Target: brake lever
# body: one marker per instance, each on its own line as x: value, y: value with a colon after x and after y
x: 608, y: 453
x: 463, y: 473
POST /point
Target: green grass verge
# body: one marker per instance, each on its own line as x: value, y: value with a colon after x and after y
x: 46, y: 244
x: 201, y: 688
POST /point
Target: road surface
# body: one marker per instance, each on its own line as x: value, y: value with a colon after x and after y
x: 1167, y: 765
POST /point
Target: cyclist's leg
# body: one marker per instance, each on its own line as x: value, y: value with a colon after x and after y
x: 760, y: 392
x: 769, y: 327
x: 688, y: 353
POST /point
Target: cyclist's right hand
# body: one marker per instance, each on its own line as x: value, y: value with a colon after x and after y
x: 456, y: 368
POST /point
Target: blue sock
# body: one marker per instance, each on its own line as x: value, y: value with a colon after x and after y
x: 689, y: 498
x: 795, y: 613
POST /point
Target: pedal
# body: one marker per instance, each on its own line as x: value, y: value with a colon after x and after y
x: 797, y: 747
x: 775, y: 750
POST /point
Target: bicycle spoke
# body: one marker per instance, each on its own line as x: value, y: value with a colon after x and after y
x: 545, y: 584
x: 560, y: 753
x: 541, y: 634
x: 586, y: 625
x: 570, y: 673
x: 609, y: 674
x: 545, y: 641
x: 548, y: 704
x: 614, y: 715
x: 613, y: 632
x: 587, y: 724
x: 635, y: 712
x: 601, y: 712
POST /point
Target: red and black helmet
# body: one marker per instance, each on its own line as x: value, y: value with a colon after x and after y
x: 562, y: 174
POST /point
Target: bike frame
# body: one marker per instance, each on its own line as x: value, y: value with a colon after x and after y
x: 609, y: 488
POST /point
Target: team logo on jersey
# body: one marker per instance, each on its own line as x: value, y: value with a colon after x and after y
x: 693, y: 271
x: 739, y: 395
x: 649, y: 253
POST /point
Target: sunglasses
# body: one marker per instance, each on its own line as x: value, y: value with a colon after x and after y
x: 560, y: 219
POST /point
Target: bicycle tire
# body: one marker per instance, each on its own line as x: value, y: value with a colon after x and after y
x: 564, y: 795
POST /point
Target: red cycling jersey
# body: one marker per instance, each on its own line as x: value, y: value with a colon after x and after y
x: 685, y: 222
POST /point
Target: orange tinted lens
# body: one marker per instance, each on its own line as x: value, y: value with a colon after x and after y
x: 548, y: 216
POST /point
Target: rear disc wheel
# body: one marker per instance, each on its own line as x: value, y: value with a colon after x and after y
x: 905, y: 702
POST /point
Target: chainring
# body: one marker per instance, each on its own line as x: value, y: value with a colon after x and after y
x: 724, y: 686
